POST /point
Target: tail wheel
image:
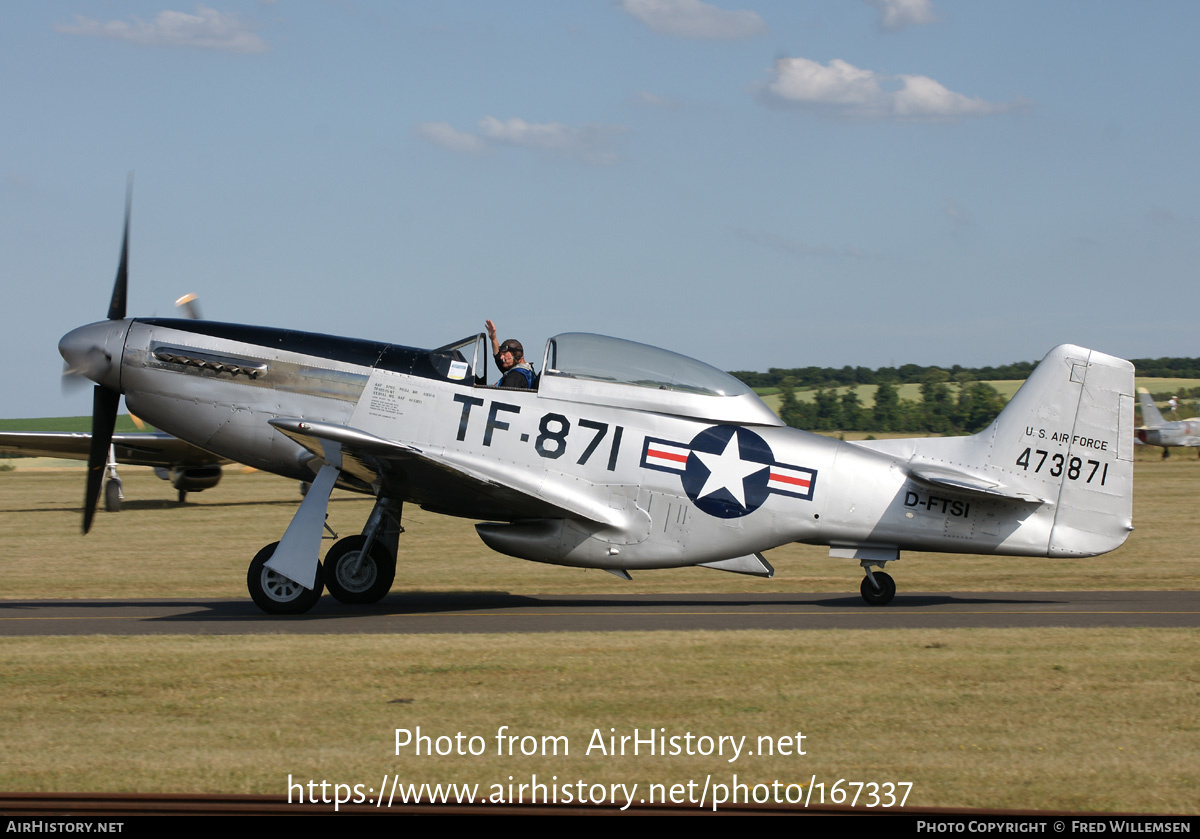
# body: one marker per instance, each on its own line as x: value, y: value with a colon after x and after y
x: 885, y: 593
x: 112, y: 497
x: 350, y: 580
x: 274, y: 593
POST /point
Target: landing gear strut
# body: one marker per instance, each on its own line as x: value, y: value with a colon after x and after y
x: 358, y: 569
x: 361, y: 568
x: 112, y: 488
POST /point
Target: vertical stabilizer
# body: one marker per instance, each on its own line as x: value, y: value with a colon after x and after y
x: 1067, y: 438
x: 1061, y: 451
x: 1151, y: 416
x: 1095, y: 502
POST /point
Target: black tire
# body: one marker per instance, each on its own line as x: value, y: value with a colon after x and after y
x: 274, y: 593
x: 887, y: 589
x: 375, y: 573
x: 112, y: 497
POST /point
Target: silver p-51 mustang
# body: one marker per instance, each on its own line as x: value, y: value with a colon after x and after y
x: 623, y: 457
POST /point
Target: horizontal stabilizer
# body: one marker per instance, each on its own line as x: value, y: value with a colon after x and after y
x: 940, y: 476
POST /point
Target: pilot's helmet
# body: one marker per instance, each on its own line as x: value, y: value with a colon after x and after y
x: 514, y: 346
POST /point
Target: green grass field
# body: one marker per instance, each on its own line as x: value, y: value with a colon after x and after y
x: 124, y: 424
x: 1065, y: 719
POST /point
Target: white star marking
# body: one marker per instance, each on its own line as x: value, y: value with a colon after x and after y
x: 728, y: 471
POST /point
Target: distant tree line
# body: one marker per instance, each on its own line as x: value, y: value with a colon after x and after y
x: 953, y: 400
x: 962, y: 407
x: 810, y: 377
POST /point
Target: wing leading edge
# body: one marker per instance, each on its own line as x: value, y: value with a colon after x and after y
x: 459, y: 484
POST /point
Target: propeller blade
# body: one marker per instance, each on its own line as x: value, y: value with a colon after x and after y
x: 116, y: 307
x: 104, y: 419
x: 91, y: 364
x: 72, y: 380
x: 191, y: 309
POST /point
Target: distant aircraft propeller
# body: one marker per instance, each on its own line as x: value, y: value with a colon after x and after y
x: 191, y: 309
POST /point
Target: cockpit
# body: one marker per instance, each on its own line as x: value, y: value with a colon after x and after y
x: 601, y: 370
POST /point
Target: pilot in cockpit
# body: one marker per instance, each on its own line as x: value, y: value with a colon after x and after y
x: 510, y: 358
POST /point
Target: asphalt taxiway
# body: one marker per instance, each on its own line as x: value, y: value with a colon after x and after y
x: 491, y: 612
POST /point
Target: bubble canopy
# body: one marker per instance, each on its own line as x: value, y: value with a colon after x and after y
x: 600, y: 358
x: 615, y: 371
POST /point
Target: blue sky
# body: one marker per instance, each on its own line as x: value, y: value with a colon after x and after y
x: 756, y: 184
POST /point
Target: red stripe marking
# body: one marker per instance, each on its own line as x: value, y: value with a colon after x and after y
x: 788, y: 479
x: 678, y: 458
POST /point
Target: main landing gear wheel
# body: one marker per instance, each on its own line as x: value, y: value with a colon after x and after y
x: 882, y: 597
x: 274, y: 593
x: 112, y: 497
x: 369, y: 582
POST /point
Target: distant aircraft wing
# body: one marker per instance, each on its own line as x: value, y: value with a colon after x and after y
x: 139, y: 448
x: 456, y: 483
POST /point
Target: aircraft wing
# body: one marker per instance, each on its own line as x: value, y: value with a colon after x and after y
x: 138, y: 448
x: 457, y: 483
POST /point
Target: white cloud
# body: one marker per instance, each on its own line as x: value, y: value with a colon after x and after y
x: 207, y: 29
x: 695, y: 19
x: 921, y: 96
x: 895, y: 15
x: 442, y: 134
x: 842, y: 89
x: 589, y: 144
x: 840, y: 83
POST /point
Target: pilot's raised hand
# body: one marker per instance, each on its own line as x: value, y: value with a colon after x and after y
x: 491, y: 330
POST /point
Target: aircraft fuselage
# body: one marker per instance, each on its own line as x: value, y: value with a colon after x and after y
x: 644, y: 488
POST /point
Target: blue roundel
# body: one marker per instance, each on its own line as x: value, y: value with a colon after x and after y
x: 727, y: 471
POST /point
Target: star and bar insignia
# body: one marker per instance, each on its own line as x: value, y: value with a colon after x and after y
x: 728, y: 471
